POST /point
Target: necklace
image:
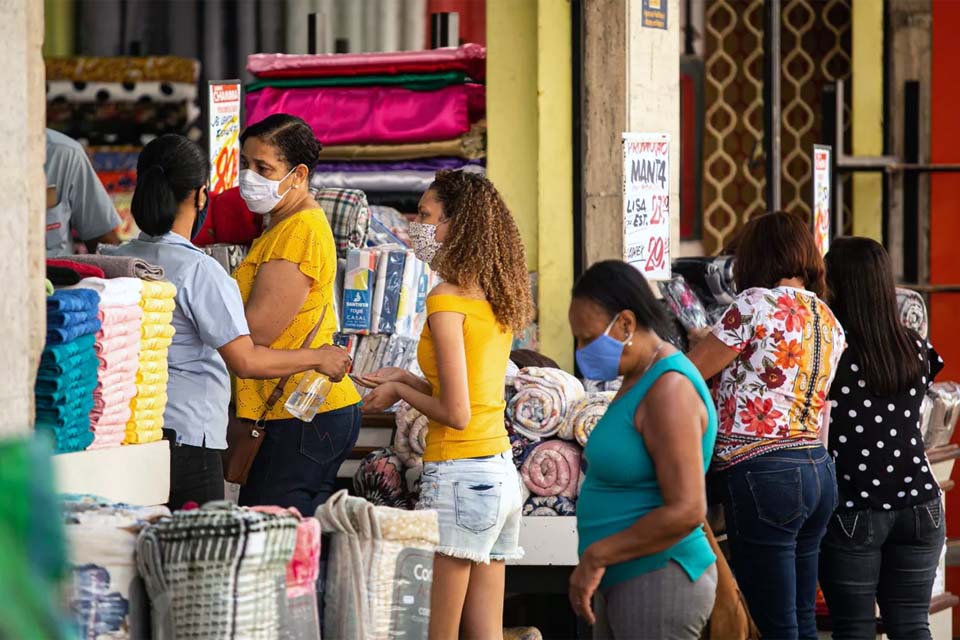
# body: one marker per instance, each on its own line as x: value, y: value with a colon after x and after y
x: 653, y: 358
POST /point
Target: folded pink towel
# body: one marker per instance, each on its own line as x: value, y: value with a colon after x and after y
x: 110, y: 417
x: 120, y: 329
x: 119, y: 359
x: 118, y: 315
x: 106, y: 440
x: 117, y: 343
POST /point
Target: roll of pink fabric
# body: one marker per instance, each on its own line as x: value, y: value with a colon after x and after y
x: 469, y: 58
x: 304, y: 567
x: 552, y: 469
x: 374, y: 115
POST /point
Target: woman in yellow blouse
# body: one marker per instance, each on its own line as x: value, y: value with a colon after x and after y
x: 468, y: 236
x: 286, y: 282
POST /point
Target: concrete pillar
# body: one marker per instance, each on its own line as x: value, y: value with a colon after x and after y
x: 530, y: 147
x: 867, y: 117
x: 22, y: 306
x: 631, y: 82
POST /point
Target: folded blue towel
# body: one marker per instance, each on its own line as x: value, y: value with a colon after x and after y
x: 73, y: 300
x: 67, y: 334
x: 60, y: 319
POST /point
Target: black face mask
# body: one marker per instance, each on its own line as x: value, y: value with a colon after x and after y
x: 201, y: 214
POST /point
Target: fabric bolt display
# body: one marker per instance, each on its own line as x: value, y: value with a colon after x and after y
x: 468, y: 58
x: 380, y: 479
x: 122, y: 267
x: 114, y: 158
x: 374, y: 115
x: 684, y: 303
x: 148, y: 90
x: 470, y: 146
x: 549, y: 506
x: 349, y: 216
x: 424, y: 164
x: 217, y: 572
x: 123, y: 69
x: 913, y: 311
x: 107, y: 599
x: 410, y: 438
x: 411, y: 81
x: 585, y: 415
x: 387, y: 181
x: 395, y: 262
x: 34, y: 560
x: 944, y: 412
x: 543, y: 398
x: 302, y: 620
x: 553, y: 469
x: 358, y: 291
x: 120, y: 123
x: 378, y: 577
x: 711, y: 278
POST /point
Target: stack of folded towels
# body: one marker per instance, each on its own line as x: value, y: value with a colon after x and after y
x: 156, y: 335
x: 67, y: 375
x: 118, y: 349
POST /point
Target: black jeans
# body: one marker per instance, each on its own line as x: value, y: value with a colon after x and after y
x: 196, y: 473
x: 885, y: 557
x: 298, y: 461
x: 777, y: 507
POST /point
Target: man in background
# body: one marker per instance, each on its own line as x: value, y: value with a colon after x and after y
x: 76, y: 199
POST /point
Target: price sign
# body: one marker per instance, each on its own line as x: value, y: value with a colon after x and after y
x: 224, y: 135
x: 821, y: 197
x: 646, y: 203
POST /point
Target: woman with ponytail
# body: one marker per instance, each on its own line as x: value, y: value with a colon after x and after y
x: 169, y: 206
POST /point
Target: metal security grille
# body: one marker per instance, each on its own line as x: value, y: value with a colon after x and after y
x: 815, y: 50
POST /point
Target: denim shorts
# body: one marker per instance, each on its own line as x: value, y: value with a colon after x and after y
x: 479, y: 503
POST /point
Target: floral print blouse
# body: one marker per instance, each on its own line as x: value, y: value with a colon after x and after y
x: 774, y: 394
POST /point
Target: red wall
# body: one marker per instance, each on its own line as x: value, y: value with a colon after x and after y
x: 473, y: 18
x: 945, y: 224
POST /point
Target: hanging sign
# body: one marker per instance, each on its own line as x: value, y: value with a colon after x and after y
x: 224, y: 134
x: 654, y: 14
x: 646, y: 203
x: 822, y: 196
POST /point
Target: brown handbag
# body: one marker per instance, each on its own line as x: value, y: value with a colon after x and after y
x: 245, y: 436
x: 730, y: 618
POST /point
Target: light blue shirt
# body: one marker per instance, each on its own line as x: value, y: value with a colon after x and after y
x: 208, y: 315
x: 82, y: 202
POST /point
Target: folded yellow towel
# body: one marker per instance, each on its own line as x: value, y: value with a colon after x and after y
x: 151, y: 305
x: 159, y: 290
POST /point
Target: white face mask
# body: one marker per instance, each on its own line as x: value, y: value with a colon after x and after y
x: 424, y: 239
x: 262, y: 195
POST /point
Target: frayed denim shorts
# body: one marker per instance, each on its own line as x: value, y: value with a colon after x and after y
x: 479, y: 503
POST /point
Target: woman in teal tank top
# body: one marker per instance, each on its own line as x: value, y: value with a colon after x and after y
x: 645, y: 561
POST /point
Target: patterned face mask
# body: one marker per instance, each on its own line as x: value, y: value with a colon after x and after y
x: 424, y: 239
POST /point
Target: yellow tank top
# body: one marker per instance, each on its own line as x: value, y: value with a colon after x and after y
x: 487, y: 349
x: 304, y: 239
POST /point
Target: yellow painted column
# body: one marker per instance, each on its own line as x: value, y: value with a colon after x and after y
x: 530, y: 147
x: 867, y: 115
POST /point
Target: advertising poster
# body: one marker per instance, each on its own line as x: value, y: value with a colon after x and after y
x: 224, y: 134
x: 654, y: 14
x: 646, y: 203
x: 822, y: 197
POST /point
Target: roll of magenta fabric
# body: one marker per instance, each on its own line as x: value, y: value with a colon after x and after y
x: 469, y: 58
x: 374, y: 115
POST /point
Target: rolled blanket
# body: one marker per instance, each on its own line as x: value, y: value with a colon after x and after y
x: 553, y: 469
x: 520, y: 445
x: 411, y: 437
x: 586, y: 414
x: 684, y: 303
x: 550, y: 506
x: 379, y: 480
x: 544, y: 396
x: 913, y: 311
x: 122, y: 266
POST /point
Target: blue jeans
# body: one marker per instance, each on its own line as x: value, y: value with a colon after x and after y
x: 298, y: 461
x: 777, y: 508
x: 884, y: 557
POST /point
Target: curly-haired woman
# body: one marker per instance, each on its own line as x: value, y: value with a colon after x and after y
x: 466, y: 233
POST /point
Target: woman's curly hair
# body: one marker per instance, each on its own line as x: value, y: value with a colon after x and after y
x: 483, y: 247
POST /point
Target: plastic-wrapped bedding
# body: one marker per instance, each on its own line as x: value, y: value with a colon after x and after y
x: 380, y: 570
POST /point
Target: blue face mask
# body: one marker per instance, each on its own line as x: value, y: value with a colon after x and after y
x: 600, y: 360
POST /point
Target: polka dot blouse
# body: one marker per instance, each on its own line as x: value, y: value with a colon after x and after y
x: 876, y: 441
